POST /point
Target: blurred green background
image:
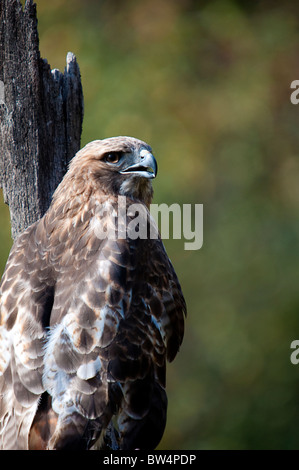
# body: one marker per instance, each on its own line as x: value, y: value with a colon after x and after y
x: 207, y: 84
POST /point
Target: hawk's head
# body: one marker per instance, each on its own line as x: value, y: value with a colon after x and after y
x: 118, y: 166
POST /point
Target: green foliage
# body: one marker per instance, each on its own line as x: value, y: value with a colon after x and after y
x: 207, y: 84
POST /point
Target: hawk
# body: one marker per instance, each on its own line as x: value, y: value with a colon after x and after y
x: 88, y: 322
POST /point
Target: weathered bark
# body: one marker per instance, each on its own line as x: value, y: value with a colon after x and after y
x: 40, y: 119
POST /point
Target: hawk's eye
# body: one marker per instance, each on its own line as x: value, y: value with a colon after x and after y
x: 112, y: 157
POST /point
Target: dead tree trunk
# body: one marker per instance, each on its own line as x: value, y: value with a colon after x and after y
x: 41, y: 113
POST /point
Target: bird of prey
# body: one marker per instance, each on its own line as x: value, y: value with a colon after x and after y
x: 88, y: 322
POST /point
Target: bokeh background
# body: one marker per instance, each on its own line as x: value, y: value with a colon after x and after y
x: 207, y: 84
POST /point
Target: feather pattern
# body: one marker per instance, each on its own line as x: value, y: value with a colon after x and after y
x: 87, y: 323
